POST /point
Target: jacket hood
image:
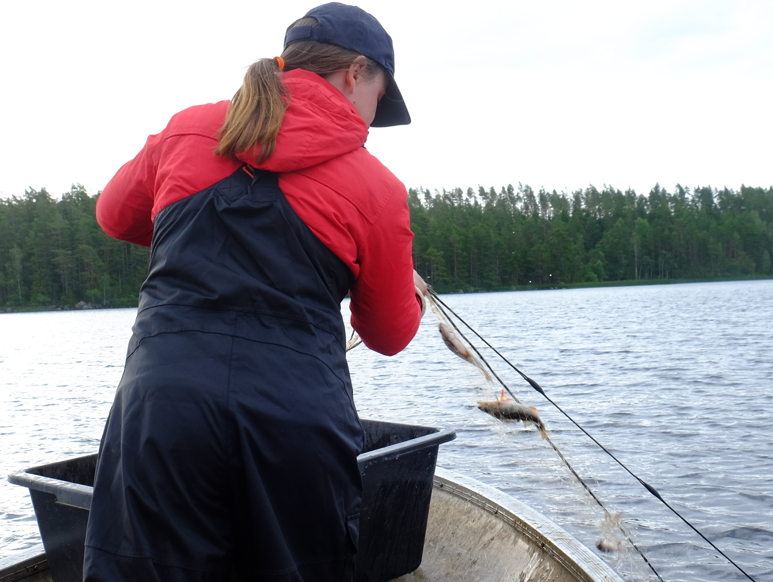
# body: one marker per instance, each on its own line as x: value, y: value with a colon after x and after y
x: 319, y: 124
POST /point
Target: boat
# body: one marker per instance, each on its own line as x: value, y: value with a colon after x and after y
x: 474, y: 533
x: 29, y: 565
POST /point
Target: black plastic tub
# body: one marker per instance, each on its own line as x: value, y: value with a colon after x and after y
x: 397, y: 469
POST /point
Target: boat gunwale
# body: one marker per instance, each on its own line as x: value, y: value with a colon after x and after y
x: 575, y: 557
x: 23, y: 564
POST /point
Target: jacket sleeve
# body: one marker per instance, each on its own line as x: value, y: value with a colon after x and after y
x: 386, y: 311
x: 124, y: 208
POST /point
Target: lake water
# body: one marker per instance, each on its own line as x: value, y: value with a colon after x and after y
x: 675, y: 380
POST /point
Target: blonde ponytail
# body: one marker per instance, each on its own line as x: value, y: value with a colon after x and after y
x: 255, y: 113
x: 257, y: 109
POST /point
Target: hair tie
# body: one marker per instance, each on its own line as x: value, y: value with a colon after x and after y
x: 280, y: 62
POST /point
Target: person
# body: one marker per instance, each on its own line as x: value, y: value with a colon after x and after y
x: 230, y: 451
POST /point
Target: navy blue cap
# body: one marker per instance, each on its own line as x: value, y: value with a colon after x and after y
x: 354, y: 29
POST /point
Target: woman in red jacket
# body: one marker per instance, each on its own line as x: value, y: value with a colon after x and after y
x: 230, y: 451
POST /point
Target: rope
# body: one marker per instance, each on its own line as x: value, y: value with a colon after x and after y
x: 539, y: 389
x: 433, y: 298
x: 354, y: 341
x: 459, y: 331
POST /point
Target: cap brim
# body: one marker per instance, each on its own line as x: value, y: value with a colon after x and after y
x: 391, y: 109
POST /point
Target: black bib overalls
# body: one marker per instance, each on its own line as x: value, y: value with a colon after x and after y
x: 230, y: 450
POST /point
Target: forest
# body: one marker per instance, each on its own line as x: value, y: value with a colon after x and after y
x: 488, y: 240
x: 54, y: 255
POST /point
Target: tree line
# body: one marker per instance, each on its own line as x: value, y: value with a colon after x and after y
x: 54, y: 254
x: 488, y: 239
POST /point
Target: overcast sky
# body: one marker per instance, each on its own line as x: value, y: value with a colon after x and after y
x: 558, y: 94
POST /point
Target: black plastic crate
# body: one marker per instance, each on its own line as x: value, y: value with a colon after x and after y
x: 397, y: 469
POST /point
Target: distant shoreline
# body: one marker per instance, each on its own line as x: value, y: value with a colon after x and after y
x: 446, y: 290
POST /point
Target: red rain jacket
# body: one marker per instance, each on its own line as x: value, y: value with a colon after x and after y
x: 348, y: 199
